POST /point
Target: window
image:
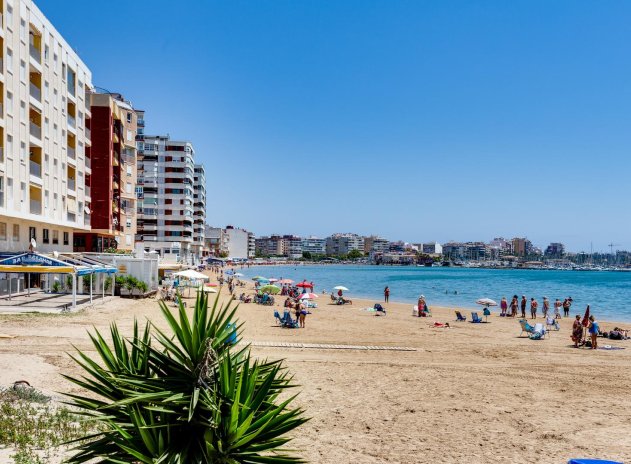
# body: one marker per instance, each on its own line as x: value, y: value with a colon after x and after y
x: 16, y: 232
x: 127, y: 239
x: 32, y: 233
x: 130, y: 135
x: 22, y: 30
x: 9, y: 103
x: 46, y: 90
x: 3, y: 230
x: 46, y: 52
x: 9, y: 60
x: 22, y: 71
x: 66, y: 238
x: 128, y: 188
x: 128, y: 117
x: 9, y: 146
x: 46, y: 196
x: 55, y: 237
x: 55, y: 202
x: 129, y: 172
x: 45, y: 238
x: 1, y: 192
x: 9, y: 192
x: 9, y: 17
x: 128, y: 222
x: 23, y: 189
x: 22, y: 111
x: 23, y: 152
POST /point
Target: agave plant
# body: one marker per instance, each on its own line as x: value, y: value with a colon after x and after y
x: 186, y: 395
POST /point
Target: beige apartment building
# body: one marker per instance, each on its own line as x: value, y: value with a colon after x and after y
x: 44, y: 171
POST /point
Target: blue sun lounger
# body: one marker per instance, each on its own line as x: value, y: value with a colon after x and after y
x: 460, y: 317
x: 475, y: 318
x: 592, y: 461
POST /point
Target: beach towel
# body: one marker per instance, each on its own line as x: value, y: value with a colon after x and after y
x: 609, y: 347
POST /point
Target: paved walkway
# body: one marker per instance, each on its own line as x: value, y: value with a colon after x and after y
x: 319, y: 346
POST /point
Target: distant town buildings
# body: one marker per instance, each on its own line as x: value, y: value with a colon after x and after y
x: 555, y: 250
x: 342, y: 244
x: 432, y: 248
x: 314, y: 245
x: 375, y: 244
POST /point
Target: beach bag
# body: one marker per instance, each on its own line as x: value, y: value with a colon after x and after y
x: 535, y: 336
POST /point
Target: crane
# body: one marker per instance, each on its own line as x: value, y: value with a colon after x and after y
x: 611, y: 245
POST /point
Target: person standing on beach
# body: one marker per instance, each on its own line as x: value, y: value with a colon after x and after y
x: 386, y: 294
x: 503, y: 306
x: 566, y: 307
x: 546, y: 307
x: 514, y: 304
x: 557, y: 309
x: 577, y: 331
x: 533, y: 308
x: 593, y: 331
x: 523, y: 306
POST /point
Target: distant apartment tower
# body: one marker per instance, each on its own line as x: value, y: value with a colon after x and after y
x: 271, y: 245
x: 342, y: 244
x: 113, y: 179
x: 216, y: 241
x: 43, y: 133
x: 293, y: 246
x: 314, y: 245
x: 166, y: 176
x: 555, y: 250
x: 521, y: 247
x: 376, y: 244
x: 199, y: 211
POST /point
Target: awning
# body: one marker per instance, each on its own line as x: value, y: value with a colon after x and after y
x: 35, y: 262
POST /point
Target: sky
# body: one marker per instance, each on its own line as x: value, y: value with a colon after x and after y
x: 416, y: 121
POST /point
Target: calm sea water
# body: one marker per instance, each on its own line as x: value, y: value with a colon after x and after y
x: 608, y: 293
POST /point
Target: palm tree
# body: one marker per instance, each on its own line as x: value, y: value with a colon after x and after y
x: 186, y: 396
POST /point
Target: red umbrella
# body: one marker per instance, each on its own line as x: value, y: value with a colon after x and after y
x: 585, y: 321
x: 304, y: 285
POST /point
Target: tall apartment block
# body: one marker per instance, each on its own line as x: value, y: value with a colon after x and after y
x: 199, y: 211
x: 44, y: 171
x: 113, y: 128
x: 165, y: 192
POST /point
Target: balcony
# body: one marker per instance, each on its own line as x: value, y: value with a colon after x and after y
x: 35, y: 53
x: 88, y: 191
x: 1, y: 65
x: 72, y: 153
x: 1, y: 110
x: 72, y: 184
x: 86, y: 219
x: 72, y: 122
x: 36, y: 207
x: 88, y: 163
x: 88, y: 133
x: 36, y: 131
x: 35, y: 169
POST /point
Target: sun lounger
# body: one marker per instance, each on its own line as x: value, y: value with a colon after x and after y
x: 592, y: 461
x: 460, y: 317
x: 277, y: 317
x: 539, y: 332
x: 525, y: 327
x: 475, y: 319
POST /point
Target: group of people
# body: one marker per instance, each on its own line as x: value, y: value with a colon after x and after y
x: 510, y: 309
x: 299, y: 309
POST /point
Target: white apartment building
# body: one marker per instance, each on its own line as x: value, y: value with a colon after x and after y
x: 239, y: 242
x: 199, y: 211
x: 314, y: 245
x: 342, y: 244
x: 44, y: 171
x: 165, y: 190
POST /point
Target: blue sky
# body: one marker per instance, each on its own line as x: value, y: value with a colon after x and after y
x: 413, y: 120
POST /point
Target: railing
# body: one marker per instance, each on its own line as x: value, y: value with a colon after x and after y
x: 141, y: 122
x: 71, y: 87
x: 1, y: 110
x: 88, y: 191
x: 1, y: 64
x: 36, y: 92
x: 35, y: 169
x: 88, y: 163
x: 72, y: 122
x: 72, y: 153
x: 36, y: 207
x: 88, y: 133
x: 35, y: 53
x: 86, y: 219
x: 72, y: 184
x: 1, y: 154
x: 35, y: 130
x: 1, y: 199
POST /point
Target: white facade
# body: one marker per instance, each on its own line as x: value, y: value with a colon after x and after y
x: 238, y: 242
x: 43, y: 135
x: 314, y: 245
x: 432, y: 248
x: 341, y: 244
x: 199, y: 211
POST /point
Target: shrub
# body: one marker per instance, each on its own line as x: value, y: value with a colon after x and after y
x: 184, y: 396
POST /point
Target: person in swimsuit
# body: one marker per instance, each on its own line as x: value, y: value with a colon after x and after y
x: 566, y: 307
x: 523, y: 306
x: 577, y: 331
x: 557, y: 309
x: 301, y: 315
x: 503, y: 306
x: 386, y: 294
x: 421, y: 306
x: 593, y: 331
x: 514, y: 304
x: 546, y: 306
x: 533, y: 308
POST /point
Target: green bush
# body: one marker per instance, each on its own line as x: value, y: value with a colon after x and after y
x: 185, y: 395
x: 56, y: 287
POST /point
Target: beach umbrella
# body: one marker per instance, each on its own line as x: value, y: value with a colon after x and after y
x: 273, y: 289
x: 486, y: 302
x: 263, y: 281
x: 238, y: 274
x: 273, y: 280
x: 191, y: 274
x: 285, y: 281
x: 340, y: 287
x: 258, y: 278
x: 308, y: 296
x: 304, y: 284
x: 212, y: 285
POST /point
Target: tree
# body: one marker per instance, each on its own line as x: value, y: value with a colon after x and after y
x: 186, y: 395
x: 355, y: 254
x: 306, y: 255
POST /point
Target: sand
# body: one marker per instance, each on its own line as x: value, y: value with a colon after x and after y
x: 474, y: 393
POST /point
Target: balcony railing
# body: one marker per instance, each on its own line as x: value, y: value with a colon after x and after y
x: 1, y: 64
x: 36, y: 54
x: 36, y: 92
x: 86, y: 219
x: 72, y: 184
x: 88, y: 133
x: 72, y: 153
x: 88, y: 163
x: 72, y: 122
x: 36, y: 131
x: 36, y: 207
x: 88, y: 191
x: 1, y: 154
x: 1, y: 110
x: 71, y: 87
x: 35, y: 169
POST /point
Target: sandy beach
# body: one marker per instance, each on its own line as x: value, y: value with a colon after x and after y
x: 474, y: 393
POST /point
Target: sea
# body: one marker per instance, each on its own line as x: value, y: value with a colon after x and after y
x: 607, y: 292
